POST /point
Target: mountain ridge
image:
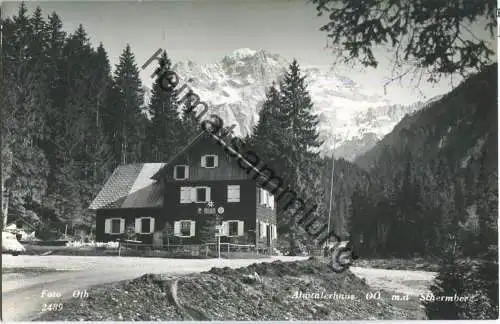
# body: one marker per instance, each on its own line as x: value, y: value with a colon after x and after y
x: 352, y: 119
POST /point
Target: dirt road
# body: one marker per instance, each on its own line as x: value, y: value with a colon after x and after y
x: 22, y: 298
x: 409, y: 282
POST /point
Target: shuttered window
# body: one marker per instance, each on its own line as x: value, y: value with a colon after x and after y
x: 266, y: 198
x: 144, y: 225
x: 274, y: 232
x: 181, y: 172
x: 194, y: 194
x: 184, y: 228
x: 209, y: 161
x: 233, y: 228
x: 262, y: 229
x: 263, y: 196
x: 200, y: 194
x: 114, y: 226
x: 185, y: 195
x: 233, y: 193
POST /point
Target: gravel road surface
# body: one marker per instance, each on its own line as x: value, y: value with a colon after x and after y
x: 22, y: 297
x: 409, y: 282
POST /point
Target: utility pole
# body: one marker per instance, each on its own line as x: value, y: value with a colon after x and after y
x: 218, y: 245
x: 331, y: 191
x: 218, y: 229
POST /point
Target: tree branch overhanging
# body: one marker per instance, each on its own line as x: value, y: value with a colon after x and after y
x: 434, y: 35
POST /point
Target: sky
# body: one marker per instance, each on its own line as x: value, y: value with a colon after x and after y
x: 204, y: 31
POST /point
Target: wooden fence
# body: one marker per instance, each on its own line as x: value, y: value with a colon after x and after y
x: 208, y: 250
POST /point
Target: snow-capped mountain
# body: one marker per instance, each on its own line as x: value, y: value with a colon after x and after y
x: 352, y: 119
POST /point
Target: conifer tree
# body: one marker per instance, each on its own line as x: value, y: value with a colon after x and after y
x: 102, y: 82
x: 71, y: 163
x: 24, y: 166
x: 127, y: 109
x: 267, y: 136
x: 190, y: 124
x: 450, y: 281
x: 286, y: 136
x: 164, y: 132
x: 487, y: 272
x: 411, y: 208
x: 55, y: 70
x: 308, y: 185
x: 301, y: 133
x: 356, y: 222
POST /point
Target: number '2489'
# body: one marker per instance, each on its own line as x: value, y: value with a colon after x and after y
x: 52, y: 307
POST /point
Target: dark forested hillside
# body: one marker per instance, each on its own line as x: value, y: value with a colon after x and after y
x: 68, y: 119
x: 440, y: 153
x: 347, y: 176
x: 434, y: 192
x: 456, y: 128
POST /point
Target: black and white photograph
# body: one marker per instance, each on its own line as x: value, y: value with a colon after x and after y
x: 249, y: 160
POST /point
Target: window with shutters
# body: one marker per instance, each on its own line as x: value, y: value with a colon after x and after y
x: 194, y: 194
x: 181, y: 172
x: 273, y: 232
x: 271, y: 201
x: 202, y: 194
x: 186, y: 228
x: 115, y: 226
x: 233, y: 193
x: 264, y: 197
x: 209, y: 161
x: 262, y: 229
x: 144, y: 225
x: 233, y: 228
x: 185, y: 195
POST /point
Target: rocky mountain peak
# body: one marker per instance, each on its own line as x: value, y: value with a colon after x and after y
x: 352, y: 119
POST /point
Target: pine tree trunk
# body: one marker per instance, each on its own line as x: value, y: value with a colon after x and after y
x: 293, y: 240
x: 5, y: 208
x: 94, y: 180
x: 5, y: 194
x: 124, y: 146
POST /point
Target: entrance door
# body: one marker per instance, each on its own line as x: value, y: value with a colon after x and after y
x: 158, y: 240
x: 268, y: 235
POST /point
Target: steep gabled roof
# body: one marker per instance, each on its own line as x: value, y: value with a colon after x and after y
x: 217, y: 139
x: 192, y: 142
x: 131, y: 186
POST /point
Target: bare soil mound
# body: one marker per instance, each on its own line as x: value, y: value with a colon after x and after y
x: 264, y: 291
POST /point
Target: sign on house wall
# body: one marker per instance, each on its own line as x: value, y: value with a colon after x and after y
x: 206, y: 211
x: 210, y: 209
